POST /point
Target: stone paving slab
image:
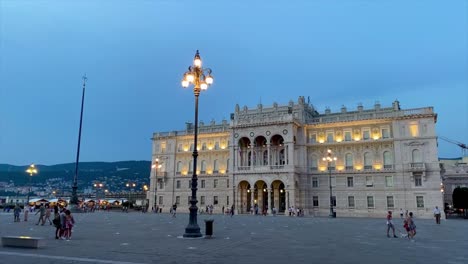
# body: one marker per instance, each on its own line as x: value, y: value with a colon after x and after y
x: 129, y: 238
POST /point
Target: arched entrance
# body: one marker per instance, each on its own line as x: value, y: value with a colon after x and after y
x: 278, y: 194
x: 260, y: 197
x: 245, y: 196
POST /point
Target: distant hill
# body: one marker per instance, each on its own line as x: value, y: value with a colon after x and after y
x: 88, y: 171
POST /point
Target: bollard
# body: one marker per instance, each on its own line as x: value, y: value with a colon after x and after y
x: 208, y: 228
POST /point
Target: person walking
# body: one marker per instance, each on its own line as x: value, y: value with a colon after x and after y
x: 41, y: 212
x: 437, y: 215
x: 26, y: 212
x: 56, y: 222
x: 410, y: 226
x: 174, y: 210
x: 47, y: 215
x: 401, y: 213
x: 232, y: 211
x: 16, y: 213
x: 390, y: 224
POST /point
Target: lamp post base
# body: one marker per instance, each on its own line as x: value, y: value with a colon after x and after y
x: 192, y: 232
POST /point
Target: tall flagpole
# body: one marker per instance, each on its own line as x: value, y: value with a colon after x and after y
x: 74, y: 198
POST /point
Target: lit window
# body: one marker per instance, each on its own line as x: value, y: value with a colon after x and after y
x: 414, y: 130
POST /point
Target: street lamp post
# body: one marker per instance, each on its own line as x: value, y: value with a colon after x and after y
x: 329, y: 159
x: 98, y: 186
x: 130, y: 185
x: 200, y: 78
x: 32, y: 170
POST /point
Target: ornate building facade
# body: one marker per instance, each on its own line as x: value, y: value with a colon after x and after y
x: 454, y: 174
x: 272, y: 157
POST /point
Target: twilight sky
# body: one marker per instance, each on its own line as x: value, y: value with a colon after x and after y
x: 134, y: 52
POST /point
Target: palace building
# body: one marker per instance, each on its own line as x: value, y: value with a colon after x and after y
x: 272, y: 157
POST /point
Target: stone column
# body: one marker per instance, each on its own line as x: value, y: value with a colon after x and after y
x: 287, y: 200
x: 251, y: 197
x: 269, y: 201
x: 268, y: 154
x: 276, y: 198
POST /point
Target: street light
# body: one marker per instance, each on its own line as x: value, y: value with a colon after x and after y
x: 201, y: 78
x: 98, y: 186
x: 156, y: 165
x: 330, y: 158
x: 130, y: 185
x: 32, y: 170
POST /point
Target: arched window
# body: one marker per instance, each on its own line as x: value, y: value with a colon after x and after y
x: 367, y: 161
x: 179, y: 166
x: 387, y: 160
x: 281, y: 157
x: 349, y: 161
x: 416, y: 156
x: 215, y: 166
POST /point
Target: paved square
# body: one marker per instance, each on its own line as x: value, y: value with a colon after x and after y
x: 115, y: 237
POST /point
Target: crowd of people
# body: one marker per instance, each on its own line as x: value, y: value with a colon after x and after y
x: 63, y: 220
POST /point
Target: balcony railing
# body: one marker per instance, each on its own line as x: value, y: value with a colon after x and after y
x: 417, y: 166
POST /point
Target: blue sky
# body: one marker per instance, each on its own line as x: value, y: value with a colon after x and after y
x: 134, y: 52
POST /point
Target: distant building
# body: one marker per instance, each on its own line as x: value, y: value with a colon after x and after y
x: 454, y: 174
x: 271, y: 157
